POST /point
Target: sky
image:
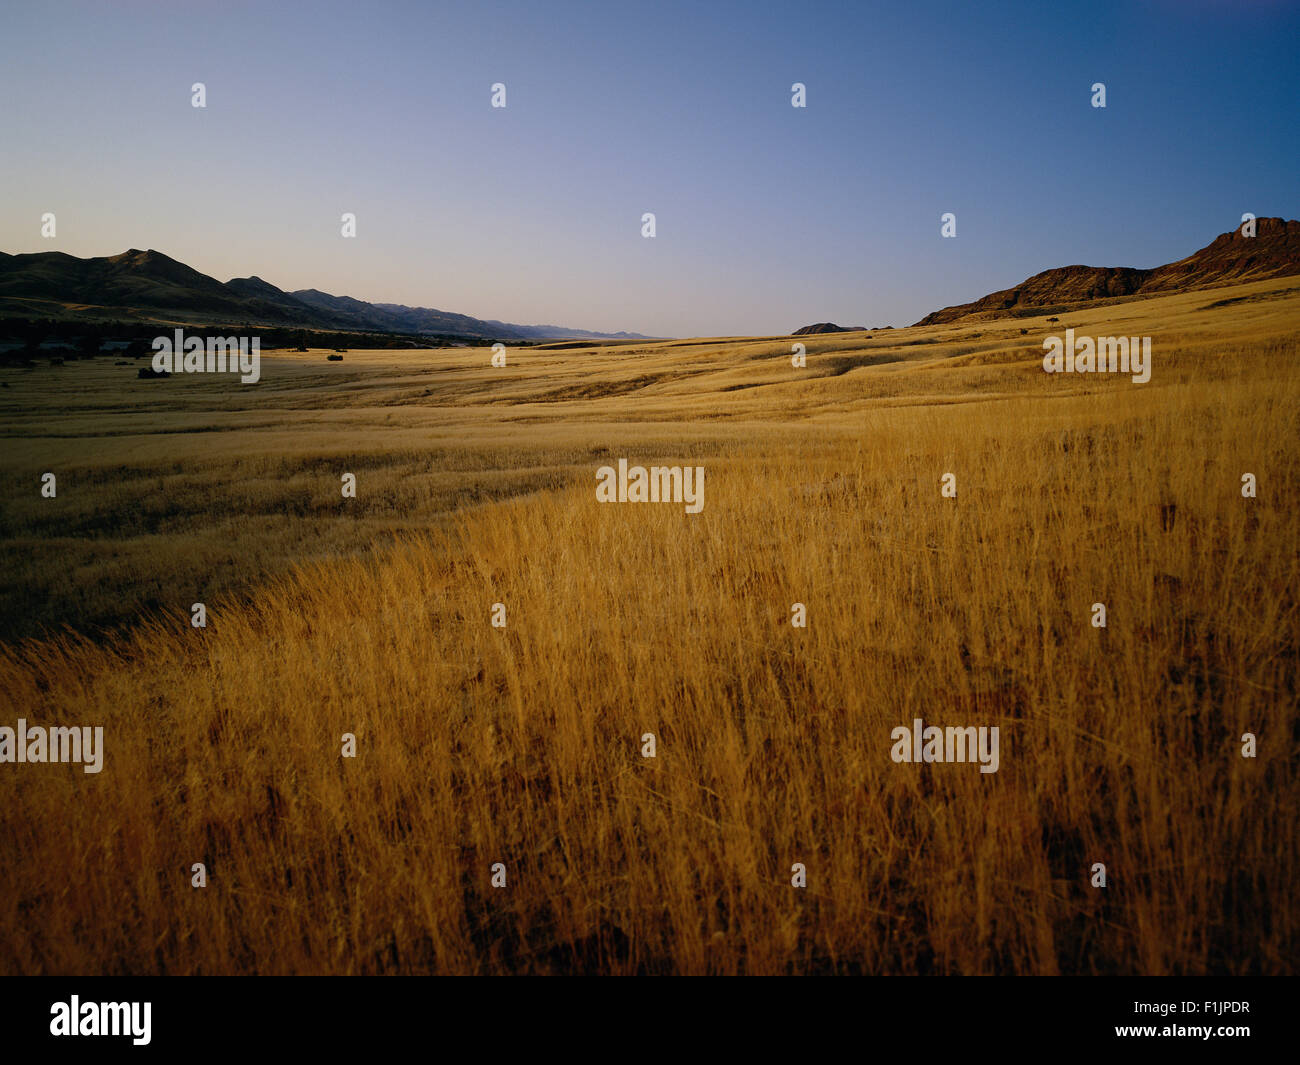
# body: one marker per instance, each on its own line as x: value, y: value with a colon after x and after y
x: 767, y: 217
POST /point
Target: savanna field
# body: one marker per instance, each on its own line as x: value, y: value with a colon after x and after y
x: 522, y: 745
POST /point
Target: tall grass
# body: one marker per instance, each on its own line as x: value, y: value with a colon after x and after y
x: 522, y: 745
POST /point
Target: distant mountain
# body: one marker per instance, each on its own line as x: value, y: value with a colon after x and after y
x: 1274, y: 251
x: 827, y: 327
x: 147, y: 285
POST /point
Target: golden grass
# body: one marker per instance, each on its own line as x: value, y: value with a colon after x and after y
x: 479, y: 745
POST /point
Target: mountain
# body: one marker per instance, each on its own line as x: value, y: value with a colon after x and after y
x: 146, y: 279
x: 396, y: 318
x: 147, y: 285
x: 827, y: 327
x: 1231, y: 258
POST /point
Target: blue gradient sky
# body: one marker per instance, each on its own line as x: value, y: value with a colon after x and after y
x: 769, y: 217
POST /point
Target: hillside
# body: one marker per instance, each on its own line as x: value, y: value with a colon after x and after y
x: 1273, y: 252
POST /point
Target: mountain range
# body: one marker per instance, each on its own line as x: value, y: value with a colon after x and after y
x: 150, y: 286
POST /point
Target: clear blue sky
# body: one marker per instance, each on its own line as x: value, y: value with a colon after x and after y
x: 769, y: 217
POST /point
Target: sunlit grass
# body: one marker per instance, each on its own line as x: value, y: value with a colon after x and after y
x: 522, y: 745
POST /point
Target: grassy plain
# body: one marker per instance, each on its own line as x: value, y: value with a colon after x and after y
x: 521, y: 745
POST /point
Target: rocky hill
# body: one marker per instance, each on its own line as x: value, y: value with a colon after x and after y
x: 827, y: 327
x: 1274, y: 251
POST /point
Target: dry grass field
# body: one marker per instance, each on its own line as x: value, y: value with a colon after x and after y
x: 522, y: 745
